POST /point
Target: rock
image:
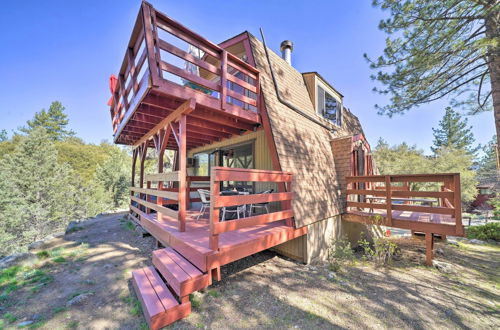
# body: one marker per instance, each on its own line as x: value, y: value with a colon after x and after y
x: 476, y: 241
x: 36, y: 317
x: 36, y: 245
x: 13, y: 259
x: 79, y: 299
x: 25, y: 323
x: 444, y: 267
x: 72, y: 226
x: 440, y: 251
x: 59, y: 234
x: 331, y: 276
x: 454, y: 243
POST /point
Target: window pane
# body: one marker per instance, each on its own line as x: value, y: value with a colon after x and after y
x: 201, y: 167
x: 321, y: 101
x: 331, y: 108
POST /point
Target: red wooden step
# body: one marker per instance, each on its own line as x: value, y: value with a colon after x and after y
x: 181, y: 275
x: 159, y: 305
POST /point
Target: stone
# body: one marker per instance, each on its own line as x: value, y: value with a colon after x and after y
x: 454, y: 243
x: 443, y: 267
x: 73, y: 225
x: 36, y: 245
x: 13, y: 259
x: 79, y: 299
x: 440, y: 251
x: 476, y: 241
x: 25, y: 323
x: 331, y: 276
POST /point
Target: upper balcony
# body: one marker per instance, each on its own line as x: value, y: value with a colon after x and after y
x: 166, y: 64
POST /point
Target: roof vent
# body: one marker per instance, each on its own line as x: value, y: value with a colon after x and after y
x: 286, y: 51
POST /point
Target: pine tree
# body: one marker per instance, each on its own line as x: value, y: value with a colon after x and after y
x: 54, y: 121
x: 3, y: 135
x: 37, y: 194
x: 437, y: 49
x: 488, y: 170
x: 453, y: 132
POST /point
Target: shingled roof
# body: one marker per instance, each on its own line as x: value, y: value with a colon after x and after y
x: 303, y: 146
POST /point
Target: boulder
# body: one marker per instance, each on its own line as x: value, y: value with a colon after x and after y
x: 444, y: 267
x: 79, y: 299
x: 13, y: 259
x: 476, y: 241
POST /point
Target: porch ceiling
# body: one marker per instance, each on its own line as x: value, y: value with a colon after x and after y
x: 204, y: 125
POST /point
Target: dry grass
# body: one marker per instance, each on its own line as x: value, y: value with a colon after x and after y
x: 261, y: 291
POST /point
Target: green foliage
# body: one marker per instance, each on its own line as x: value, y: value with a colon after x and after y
x: 382, y: 251
x: 435, y: 49
x: 3, y: 135
x: 39, y: 195
x: 453, y: 132
x: 485, y: 232
x: 54, y: 121
x: 487, y: 166
x: 113, y: 174
x: 403, y: 159
x: 340, y: 252
x: 495, y: 203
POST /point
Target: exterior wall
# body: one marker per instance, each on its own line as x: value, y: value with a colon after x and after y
x: 262, y: 157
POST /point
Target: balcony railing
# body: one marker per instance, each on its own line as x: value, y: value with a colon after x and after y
x: 164, y: 55
x: 432, y: 194
x: 217, y: 202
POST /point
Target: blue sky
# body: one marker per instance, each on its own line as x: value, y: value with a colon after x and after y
x: 66, y: 50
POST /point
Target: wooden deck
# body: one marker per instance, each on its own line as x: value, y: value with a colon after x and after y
x: 193, y: 243
x: 397, y: 201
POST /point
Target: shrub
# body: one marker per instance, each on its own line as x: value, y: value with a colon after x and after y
x: 485, y: 232
x: 382, y: 252
x: 340, y: 252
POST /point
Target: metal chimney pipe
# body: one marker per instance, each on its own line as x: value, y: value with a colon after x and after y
x: 286, y: 51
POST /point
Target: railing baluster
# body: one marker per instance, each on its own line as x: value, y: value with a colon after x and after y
x: 388, y: 199
x: 458, y: 204
x: 214, y: 212
x: 223, y: 79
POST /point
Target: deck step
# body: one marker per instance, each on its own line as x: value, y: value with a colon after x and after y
x: 159, y: 305
x: 182, y: 276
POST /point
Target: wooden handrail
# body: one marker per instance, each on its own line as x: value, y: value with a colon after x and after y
x: 449, y: 195
x: 217, y: 202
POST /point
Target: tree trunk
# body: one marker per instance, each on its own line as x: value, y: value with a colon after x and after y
x: 492, y: 31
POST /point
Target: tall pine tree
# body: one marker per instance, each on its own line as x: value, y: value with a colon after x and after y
x: 37, y: 194
x: 453, y: 132
x: 54, y: 121
x: 488, y: 170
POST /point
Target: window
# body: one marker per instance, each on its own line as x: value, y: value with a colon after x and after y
x: 329, y: 107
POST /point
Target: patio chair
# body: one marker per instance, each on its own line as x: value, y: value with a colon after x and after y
x: 261, y: 205
x: 205, y: 202
x: 232, y: 209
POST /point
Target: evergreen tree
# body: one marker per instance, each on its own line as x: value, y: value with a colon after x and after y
x: 488, y: 170
x: 3, y: 135
x: 453, y: 132
x: 38, y: 196
x: 114, y: 175
x: 54, y: 121
x: 439, y: 49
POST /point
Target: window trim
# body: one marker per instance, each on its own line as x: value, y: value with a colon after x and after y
x: 332, y: 93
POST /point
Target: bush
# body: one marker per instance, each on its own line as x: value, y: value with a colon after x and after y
x: 382, y: 252
x: 340, y: 252
x: 485, y: 232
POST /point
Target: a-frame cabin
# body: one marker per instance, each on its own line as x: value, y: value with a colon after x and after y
x: 285, y: 163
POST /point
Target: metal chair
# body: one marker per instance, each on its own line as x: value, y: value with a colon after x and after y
x: 232, y: 209
x: 261, y: 205
x: 205, y: 201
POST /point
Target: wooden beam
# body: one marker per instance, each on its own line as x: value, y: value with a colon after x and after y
x: 185, y: 108
x: 183, y: 193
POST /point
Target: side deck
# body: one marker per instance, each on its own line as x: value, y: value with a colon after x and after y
x: 427, y: 203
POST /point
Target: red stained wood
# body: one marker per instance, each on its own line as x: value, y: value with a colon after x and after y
x: 220, y: 201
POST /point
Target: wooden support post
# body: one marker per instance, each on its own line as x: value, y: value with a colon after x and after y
x: 143, y: 151
x: 388, y: 200
x: 182, y: 173
x: 223, y: 79
x: 148, y: 197
x: 214, y: 212
x: 429, y: 248
x: 457, y: 204
x: 132, y: 183
x: 288, y: 204
x: 215, y: 274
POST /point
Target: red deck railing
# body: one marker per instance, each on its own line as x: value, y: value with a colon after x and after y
x: 221, y: 174
x: 164, y: 54
x: 373, y: 193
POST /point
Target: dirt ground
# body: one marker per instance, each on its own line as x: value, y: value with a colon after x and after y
x: 83, y: 282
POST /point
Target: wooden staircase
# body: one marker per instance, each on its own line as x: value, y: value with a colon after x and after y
x: 164, y: 289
